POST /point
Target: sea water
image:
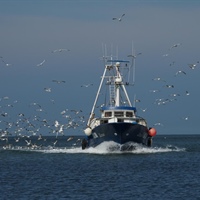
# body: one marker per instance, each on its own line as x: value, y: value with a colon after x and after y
x: 62, y: 170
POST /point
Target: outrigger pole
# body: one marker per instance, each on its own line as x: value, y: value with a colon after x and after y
x: 92, y: 112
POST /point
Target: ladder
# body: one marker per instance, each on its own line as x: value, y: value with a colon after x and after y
x: 112, y: 94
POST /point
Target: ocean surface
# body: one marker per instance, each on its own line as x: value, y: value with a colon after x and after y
x: 53, y: 168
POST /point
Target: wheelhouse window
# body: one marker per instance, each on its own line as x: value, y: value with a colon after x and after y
x: 108, y: 114
x: 119, y: 114
x: 129, y: 114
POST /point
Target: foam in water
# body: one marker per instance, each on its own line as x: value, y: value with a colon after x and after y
x: 105, y: 148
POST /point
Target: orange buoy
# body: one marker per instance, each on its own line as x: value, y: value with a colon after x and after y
x: 152, y: 132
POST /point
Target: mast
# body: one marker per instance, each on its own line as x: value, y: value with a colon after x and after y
x: 119, y: 84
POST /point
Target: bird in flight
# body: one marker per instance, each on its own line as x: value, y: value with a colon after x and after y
x: 175, y: 45
x: 185, y: 118
x: 59, y: 50
x: 193, y: 66
x: 169, y: 86
x: 40, y: 64
x: 57, y: 81
x: 174, y: 95
x: 47, y: 89
x: 187, y: 93
x: 158, y: 124
x: 179, y: 72
x: 153, y: 91
x: 158, y: 79
x: 143, y: 110
x: 6, y: 64
x: 119, y: 19
x: 87, y: 85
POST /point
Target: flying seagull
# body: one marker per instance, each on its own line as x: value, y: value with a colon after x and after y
x: 40, y: 64
x: 169, y: 86
x: 193, y: 66
x: 179, y: 72
x: 158, y: 124
x: 119, y: 19
x: 59, y: 50
x: 187, y: 93
x: 143, y: 110
x: 47, y: 89
x: 87, y: 85
x: 158, y: 79
x: 175, y: 45
x: 153, y: 91
x: 57, y: 81
x: 6, y: 64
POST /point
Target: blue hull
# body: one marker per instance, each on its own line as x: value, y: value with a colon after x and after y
x: 121, y: 133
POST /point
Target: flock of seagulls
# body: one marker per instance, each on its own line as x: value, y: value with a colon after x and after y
x: 28, y: 130
x: 31, y: 130
x: 172, y: 96
x: 23, y: 127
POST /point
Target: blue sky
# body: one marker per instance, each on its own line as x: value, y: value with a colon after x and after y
x: 31, y: 30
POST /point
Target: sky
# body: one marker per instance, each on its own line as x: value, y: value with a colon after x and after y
x: 32, y: 29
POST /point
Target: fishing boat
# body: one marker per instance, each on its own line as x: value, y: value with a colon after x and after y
x: 117, y: 118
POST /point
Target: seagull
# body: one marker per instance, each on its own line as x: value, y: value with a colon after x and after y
x: 47, y: 89
x: 61, y: 129
x: 40, y: 64
x: 193, y: 66
x: 28, y: 143
x: 154, y: 91
x: 137, y: 100
x: 175, y: 45
x: 187, y: 93
x: 59, y: 50
x: 185, y: 118
x: 63, y: 112
x: 179, y: 72
x: 39, y: 110
x: 119, y: 19
x: 17, y: 139
x: 158, y: 124
x: 5, y: 98
x: 76, y: 111
x: 6, y: 64
x: 40, y: 137
x: 56, y: 81
x: 165, y: 55
x: 87, y: 85
x: 143, y: 110
x: 169, y: 86
x: 158, y: 79
x: 134, y: 56
x: 56, y: 124
x: 174, y: 95
x: 36, y: 104
x: 54, y: 143
x: 70, y: 138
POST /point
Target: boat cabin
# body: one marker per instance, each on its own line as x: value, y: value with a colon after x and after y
x: 117, y: 114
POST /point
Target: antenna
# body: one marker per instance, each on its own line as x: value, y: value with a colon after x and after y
x: 133, y: 56
x: 133, y: 60
x: 134, y: 100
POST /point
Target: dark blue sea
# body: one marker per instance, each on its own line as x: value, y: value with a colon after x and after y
x: 54, y: 168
